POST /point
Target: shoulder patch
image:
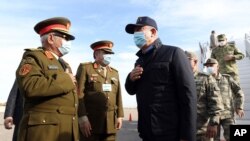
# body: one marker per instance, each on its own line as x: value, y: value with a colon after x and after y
x: 25, y: 69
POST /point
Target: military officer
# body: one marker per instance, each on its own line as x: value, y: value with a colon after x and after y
x: 226, y: 54
x: 208, y: 102
x: 232, y: 95
x: 100, y: 106
x: 48, y: 86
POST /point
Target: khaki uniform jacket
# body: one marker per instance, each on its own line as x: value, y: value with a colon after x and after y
x: 101, y: 107
x: 50, y: 106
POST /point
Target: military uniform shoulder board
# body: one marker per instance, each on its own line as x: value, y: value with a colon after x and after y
x: 227, y: 75
x: 113, y: 69
x: 203, y: 73
x: 33, y: 49
x: 86, y: 63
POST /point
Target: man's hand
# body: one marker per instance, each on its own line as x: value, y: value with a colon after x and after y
x: 240, y: 113
x: 85, y: 126
x: 8, y: 122
x: 119, y: 123
x: 211, y: 131
x: 229, y: 57
x: 135, y: 74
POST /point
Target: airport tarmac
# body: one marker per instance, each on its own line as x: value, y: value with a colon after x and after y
x: 127, y: 133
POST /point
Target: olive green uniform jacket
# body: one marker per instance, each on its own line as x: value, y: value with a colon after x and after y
x: 50, y: 99
x: 101, y: 107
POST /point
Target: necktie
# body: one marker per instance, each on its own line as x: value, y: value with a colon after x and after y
x: 61, y: 61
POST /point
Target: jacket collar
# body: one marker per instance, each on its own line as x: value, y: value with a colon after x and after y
x: 156, y: 44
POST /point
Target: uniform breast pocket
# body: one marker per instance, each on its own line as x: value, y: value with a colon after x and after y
x: 51, y: 73
x: 42, y: 123
x: 115, y: 84
x: 159, y: 72
x: 200, y: 88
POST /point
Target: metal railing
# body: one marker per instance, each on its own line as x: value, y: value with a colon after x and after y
x: 247, y: 45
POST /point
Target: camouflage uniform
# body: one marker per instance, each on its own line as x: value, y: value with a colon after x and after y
x: 233, y: 98
x: 208, y: 104
x: 228, y: 67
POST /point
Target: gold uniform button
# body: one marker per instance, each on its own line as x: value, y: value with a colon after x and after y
x: 75, y: 105
x: 73, y: 118
x: 44, y: 121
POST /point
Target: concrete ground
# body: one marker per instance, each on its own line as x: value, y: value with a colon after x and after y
x: 127, y: 133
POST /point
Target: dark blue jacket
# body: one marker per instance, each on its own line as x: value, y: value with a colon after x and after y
x: 166, y: 94
x: 14, y: 106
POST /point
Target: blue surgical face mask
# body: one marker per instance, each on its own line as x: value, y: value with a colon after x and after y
x: 210, y: 70
x: 107, y: 59
x: 65, y: 48
x: 139, y: 39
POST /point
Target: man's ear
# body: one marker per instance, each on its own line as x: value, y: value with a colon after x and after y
x: 50, y: 39
x: 195, y: 61
x: 153, y: 30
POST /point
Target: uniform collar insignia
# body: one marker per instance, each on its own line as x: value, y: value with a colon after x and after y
x: 48, y: 55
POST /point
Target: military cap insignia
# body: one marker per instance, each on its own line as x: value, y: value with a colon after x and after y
x: 25, y: 69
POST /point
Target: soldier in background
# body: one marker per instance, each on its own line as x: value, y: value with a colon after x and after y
x: 232, y: 95
x: 14, y: 110
x: 213, y: 40
x: 227, y: 54
x: 208, y: 102
x: 100, y: 106
x: 48, y: 86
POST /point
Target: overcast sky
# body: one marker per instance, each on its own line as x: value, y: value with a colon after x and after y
x: 180, y: 22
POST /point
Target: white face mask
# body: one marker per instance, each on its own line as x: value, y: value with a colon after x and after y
x: 222, y: 43
x: 107, y: 59
x: 65, y: 48
x: 210, y: 70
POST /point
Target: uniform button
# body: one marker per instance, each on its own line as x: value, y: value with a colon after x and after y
x: 44, y: 121
x: 73, y: 118
x: 75, y: 105
x: 108, y: 97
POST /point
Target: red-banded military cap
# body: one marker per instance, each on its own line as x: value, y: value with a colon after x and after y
x: 103, y: 45
x: 56, y: 24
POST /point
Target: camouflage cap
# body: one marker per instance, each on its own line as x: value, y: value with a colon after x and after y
x: 191, y: 55
x: 221, y: 37
x: 211, y: 61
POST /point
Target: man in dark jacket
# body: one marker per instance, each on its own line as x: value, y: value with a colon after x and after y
x: 14, y: 110
x: 164, y: 86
